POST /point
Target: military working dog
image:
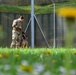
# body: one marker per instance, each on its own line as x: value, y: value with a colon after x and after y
x: 24, y: 42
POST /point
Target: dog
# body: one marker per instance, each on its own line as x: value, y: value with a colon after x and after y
x: 24, y: 42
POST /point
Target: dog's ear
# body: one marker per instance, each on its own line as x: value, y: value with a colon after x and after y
x: 23, y: 32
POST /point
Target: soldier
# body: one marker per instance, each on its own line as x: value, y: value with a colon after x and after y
x: 16, y: 32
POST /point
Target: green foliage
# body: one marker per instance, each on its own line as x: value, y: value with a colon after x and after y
x: 29, y: 61
x: 15, y: 9
x: 39, y: 9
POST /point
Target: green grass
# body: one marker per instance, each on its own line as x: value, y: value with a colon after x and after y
x: 25, y: 9
x: 30, y: 61
x: 15, y: 9
x: 38, y: 8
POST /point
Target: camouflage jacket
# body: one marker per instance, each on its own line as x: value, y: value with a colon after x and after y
x: 17, y: 25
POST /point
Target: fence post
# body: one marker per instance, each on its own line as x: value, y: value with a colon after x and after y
x: 32, y: 23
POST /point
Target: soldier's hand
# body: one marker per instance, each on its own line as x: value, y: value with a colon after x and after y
x: 20, y: 28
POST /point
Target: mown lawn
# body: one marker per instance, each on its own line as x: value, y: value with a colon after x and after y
x: 37, y: 61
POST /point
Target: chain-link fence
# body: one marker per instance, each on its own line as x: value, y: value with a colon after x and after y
x: 46, y: 23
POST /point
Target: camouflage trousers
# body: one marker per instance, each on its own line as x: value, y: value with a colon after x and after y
x: 16, y: 39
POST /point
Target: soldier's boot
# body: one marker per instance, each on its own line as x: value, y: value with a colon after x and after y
x: 13, y: 44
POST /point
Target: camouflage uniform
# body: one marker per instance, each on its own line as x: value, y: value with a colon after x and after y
x: 16, y: 34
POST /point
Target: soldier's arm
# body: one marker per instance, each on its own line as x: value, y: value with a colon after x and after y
x: 14, y: 23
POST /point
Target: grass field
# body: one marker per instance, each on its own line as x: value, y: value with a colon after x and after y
x: 39, y: 9
x: 38, y: 61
